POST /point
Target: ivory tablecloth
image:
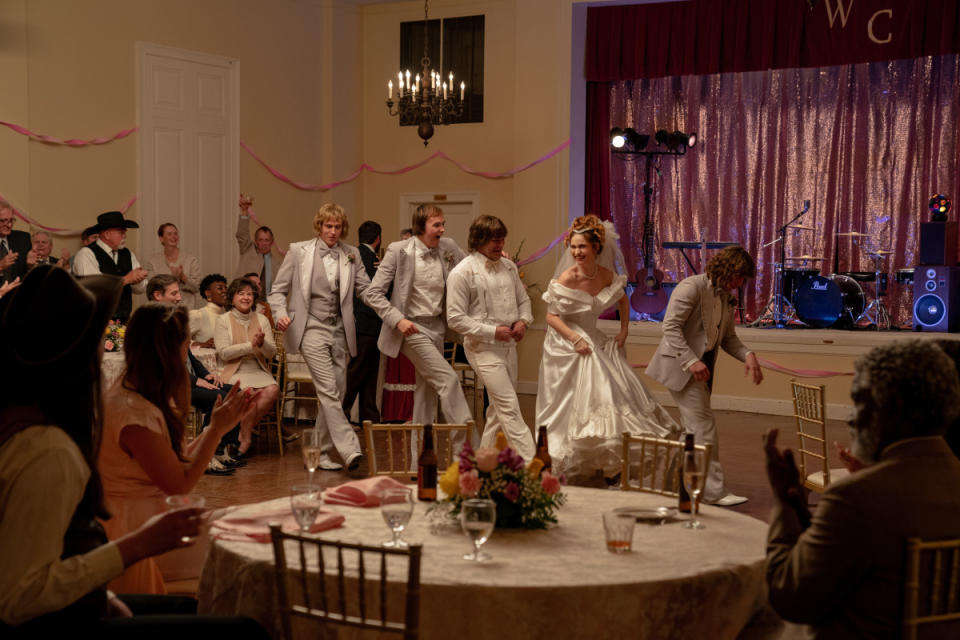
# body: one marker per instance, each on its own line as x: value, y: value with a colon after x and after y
x: 558, y: 583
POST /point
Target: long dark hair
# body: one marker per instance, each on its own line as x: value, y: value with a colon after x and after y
x: 155, y: 369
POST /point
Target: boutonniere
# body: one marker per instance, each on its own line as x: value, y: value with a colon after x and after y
x: 448, y: 256
x: 351, y: 258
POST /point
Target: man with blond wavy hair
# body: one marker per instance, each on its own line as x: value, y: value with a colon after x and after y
x: 312, y: 303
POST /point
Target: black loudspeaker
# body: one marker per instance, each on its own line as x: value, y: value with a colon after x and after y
x: 938, y: 243
x: 936, y: 298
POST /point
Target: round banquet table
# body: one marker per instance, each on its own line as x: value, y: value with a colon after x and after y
x: 556, y: 583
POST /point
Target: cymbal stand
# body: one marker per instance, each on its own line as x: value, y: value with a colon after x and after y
x: 779, y: 311
x: 876, y: 312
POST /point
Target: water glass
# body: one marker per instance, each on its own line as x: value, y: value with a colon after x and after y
x: 306, y: 501
x: 618, y: 528
x: 477, y: 520
x: 396, y: 507
x: 186, y: 501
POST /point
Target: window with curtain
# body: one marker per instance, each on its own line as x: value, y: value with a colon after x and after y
x: 455, y: 44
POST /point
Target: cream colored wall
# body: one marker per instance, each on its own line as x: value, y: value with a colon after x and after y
x: 68, y: 70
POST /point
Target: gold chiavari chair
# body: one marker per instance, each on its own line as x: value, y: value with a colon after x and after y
x: 931, y: 588
x: 391, y: 449
x: 651, y: 464
x: 809, y: 409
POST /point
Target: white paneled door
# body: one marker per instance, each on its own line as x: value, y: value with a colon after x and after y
x: 187, y: 111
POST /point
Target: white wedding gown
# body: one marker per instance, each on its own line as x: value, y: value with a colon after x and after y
x: 588, y: 401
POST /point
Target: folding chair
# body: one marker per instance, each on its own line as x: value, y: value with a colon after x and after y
x: 292, y: 372
x: 316, y: 584
x: 930, y: 590
x: 392, y: 449
x: 809, y: 408
x: 650, y: 464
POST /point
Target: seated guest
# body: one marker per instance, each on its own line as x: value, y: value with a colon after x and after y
x: 42, y: 249
x: 143, y: 457
x: 180, y: 264
x: 203, y: 321
x: 841, y: 571
x: 54, y: 557
x: 244, y: 342
x: 262, y: 306
x: 205, y: 387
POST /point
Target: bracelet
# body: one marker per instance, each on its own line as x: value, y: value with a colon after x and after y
x: 577, y: 340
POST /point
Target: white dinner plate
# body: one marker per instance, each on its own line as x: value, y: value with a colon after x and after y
x: 649, y: 513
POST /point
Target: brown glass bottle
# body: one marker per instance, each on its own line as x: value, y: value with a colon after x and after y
x: 543, y: 450
x: 684, y: 504
x: 427, y: 467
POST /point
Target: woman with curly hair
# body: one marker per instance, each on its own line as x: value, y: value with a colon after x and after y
x: 698, y: 322
x: 588, y: 394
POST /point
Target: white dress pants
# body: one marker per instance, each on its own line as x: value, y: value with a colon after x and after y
x: 324, y: 348
x: 496, y: 366
x: 697, y: 418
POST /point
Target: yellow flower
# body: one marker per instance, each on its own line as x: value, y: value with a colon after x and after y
x: 501, y: 441
x: 450, y: 480
x: 535, y: 467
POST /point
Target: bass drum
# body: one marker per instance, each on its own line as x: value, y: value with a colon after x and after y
x: 830, y: 301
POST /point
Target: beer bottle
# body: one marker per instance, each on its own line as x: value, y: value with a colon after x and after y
x: 543, y: 451
x: 427, y: 467
x: 684, y: 505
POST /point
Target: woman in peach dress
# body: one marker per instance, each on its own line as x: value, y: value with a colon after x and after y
x: 143, y: 456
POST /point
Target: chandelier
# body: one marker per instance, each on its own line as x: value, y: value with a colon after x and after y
x: 429, y: 98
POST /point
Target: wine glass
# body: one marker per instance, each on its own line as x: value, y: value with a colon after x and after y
x: 310, y: 448
x: 396, y: 507
x: 477, y: 519
x: 694, y: 470
x: 305, y: 502
x: 186, y: 501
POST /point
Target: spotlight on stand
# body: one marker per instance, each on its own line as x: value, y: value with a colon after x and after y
x: 628, y: 139
x: 637, y: 140
x: 617, y: 138
x: 628, y: 142
x: 939, y: 208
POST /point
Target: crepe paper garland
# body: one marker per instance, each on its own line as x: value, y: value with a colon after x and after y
x: 58, y: 230
x: 393, y: 172
x: 773, y: 366
x: 73, y: 142
x: 536, y: 255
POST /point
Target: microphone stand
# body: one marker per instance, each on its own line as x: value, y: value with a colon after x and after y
x: 774, y: 309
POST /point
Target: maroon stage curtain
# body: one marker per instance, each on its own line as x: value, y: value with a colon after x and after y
x: 867, y: 144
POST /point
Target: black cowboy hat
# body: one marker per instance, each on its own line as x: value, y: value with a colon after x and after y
x: 113, y: 220
x: 67, y: 317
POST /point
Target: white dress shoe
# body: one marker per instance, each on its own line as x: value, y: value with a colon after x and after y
x: 729, y: 500
x: 329, y: 465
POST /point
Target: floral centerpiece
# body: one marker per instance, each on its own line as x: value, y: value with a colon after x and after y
x: 526, y: 496
x: 113, y: 336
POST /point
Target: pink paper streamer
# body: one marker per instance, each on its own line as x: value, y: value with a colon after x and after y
x: 72, y: 142
x: 773, y: 366
x: 392, y: 172
x: 536, y: 255
x: 59, y: 230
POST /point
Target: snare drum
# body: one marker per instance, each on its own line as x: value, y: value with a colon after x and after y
x: 830, y: 301
x: 904, y: 276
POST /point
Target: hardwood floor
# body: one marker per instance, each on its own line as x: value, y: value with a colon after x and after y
x: 270, y: 475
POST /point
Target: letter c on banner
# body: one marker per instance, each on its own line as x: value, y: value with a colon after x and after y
x: 874, y: 38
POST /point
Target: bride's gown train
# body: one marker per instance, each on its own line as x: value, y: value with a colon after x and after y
x: 588, y: 402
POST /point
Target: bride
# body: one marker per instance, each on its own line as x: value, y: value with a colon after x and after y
x: 588, y: 394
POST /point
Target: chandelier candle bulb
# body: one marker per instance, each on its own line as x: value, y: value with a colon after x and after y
x: 451, y: 80
x: 390, y: 89
x: 463, y: 87
x: 444, y: 90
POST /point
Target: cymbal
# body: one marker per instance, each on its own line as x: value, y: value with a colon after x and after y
x: 799, y: 227
x: 852, y: 234
x: 880, y: 253
x: 804, y: 259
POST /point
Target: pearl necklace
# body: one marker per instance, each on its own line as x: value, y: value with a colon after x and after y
x: 585, y: 276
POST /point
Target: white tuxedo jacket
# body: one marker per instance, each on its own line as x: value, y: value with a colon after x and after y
x: 290, y: 296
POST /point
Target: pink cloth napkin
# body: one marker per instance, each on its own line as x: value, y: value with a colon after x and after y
x: 254, y: 528
x: 361, y: 493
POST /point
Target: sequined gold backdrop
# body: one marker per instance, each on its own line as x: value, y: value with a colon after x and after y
x: 867, y: 144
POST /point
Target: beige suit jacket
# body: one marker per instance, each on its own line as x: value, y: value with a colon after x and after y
x: 251, y: 260
x: 290, y: 296
x: 842, y: 575
x: 398, y: 268
x: 699, y: 318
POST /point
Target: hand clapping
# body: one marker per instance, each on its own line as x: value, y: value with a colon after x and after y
x: 258, y: 339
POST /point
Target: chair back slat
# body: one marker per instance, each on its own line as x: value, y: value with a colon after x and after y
x: 383, y: 587
x: 321, y: 565
x: 341, y: 582
x: 654, y: 470
x: 303, y: 574
x: 386, y: 458
x: 931, y: 573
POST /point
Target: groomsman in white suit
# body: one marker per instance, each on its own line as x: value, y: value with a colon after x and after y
x: 699, y: 321
x: 413, y: 317
x: 488, y: 305
x: 312, y: 302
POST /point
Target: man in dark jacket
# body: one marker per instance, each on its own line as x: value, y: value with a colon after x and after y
x: 14, y: 246
x: 363, y: 368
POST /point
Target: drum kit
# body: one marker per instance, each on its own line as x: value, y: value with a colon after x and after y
x: 803, y: 297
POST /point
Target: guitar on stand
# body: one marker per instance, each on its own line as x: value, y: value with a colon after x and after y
x: 649, y: 297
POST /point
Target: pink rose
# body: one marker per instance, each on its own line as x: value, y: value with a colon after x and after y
x: 470, y: 483
x: 108, y: 345
x: 550, y: 483
x: 487, y: 458
x: 511, y: 492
